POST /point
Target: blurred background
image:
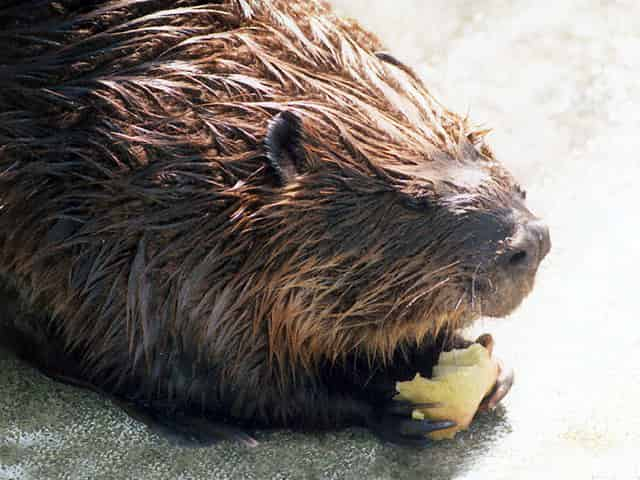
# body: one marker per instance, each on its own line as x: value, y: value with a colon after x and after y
x: 558, y: 83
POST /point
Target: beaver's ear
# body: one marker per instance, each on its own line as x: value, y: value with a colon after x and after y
x: 284, y: 153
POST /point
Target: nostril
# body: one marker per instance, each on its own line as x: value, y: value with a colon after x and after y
x: 518, y: 258
x: 528, y: 246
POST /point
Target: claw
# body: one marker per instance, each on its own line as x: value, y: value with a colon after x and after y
x: 411, y: 432
x: 404, y: 408
x: 503, y: 384
x: 422, y: 427
x: 396, y: 425
x: 486, y: 340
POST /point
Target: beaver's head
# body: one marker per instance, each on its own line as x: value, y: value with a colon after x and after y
x: 392, y: 230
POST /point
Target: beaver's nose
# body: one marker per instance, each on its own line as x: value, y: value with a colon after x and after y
x: 528, y: 246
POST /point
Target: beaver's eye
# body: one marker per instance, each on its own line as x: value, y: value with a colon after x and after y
x: 522, y: 192
x: 423, y: 204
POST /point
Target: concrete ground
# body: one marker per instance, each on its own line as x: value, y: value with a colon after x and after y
x: 558, y: 81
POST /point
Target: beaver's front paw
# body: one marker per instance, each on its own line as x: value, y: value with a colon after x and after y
x: 504, y: 381
x: 503, y: 385
x: 394, y: 423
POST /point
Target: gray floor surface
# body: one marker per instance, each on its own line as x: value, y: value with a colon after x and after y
x: 558, y: 82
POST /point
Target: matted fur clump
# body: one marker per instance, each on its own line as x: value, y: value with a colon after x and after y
x: 219, y: 205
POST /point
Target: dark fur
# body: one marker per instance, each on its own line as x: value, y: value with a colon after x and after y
x: 177, y: 247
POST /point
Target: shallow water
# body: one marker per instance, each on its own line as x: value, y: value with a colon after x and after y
x: 557, y: 81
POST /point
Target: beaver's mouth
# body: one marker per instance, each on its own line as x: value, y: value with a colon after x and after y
x: 498, y: 296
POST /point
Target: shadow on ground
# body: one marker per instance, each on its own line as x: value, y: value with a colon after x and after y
x: 50, y: 430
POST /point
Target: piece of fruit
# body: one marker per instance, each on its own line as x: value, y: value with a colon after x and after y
x: 461, y: 379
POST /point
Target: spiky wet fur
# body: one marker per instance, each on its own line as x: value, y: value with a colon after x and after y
x: 140, y: 216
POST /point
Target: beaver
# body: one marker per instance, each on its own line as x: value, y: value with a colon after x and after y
x: 232, y: 214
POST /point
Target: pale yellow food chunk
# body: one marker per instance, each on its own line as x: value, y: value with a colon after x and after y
x: 461, y: 379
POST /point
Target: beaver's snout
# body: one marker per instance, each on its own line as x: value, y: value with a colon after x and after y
x: 527, y: 248
x: 503, y: 286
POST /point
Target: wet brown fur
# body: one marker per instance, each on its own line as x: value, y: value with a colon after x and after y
x: 139, y: 212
